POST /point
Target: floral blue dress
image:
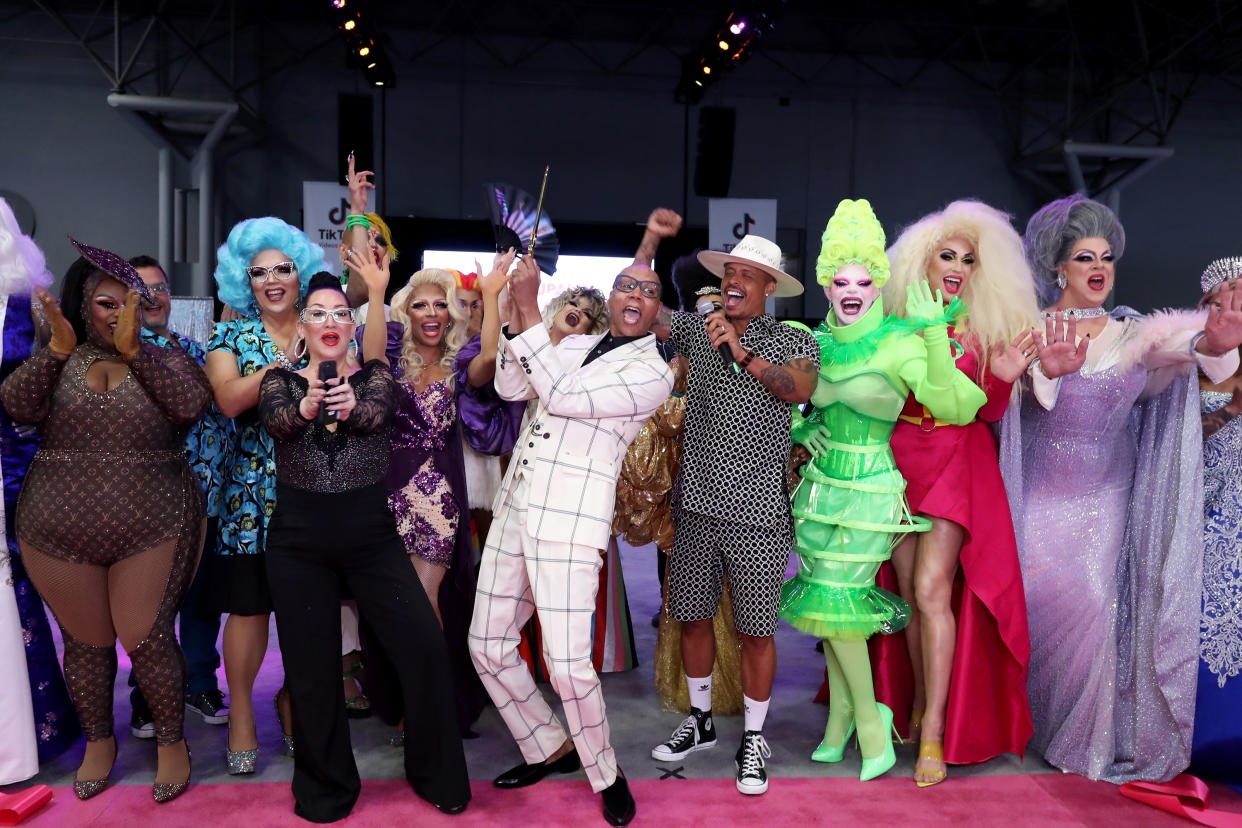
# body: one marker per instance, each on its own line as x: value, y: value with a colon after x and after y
x: 239, y: 584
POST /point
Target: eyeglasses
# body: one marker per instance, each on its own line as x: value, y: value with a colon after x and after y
x: 626, y: 284
x: 283, y: 271
x: 158, y: 289
x: 315, y: 315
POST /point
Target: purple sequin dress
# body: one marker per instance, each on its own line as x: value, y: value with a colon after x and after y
x: 1107, y: 496
x: 426, y: 476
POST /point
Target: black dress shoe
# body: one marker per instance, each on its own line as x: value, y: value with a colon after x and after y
x: 524, y: 774
x: 619, y: 805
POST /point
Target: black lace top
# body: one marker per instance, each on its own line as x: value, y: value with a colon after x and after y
x: 312, y: 458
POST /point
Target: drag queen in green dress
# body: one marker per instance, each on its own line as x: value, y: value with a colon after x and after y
x: 850, y: 508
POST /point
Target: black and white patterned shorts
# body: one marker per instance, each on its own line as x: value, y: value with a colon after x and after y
x: 705, y: 550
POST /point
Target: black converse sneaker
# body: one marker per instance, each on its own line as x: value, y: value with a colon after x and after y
x: 752, y: 778
x: 694, y: 734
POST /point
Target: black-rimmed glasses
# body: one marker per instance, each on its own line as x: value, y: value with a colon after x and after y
x: 626, y: 284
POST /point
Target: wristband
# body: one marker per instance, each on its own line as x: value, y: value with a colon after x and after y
x: 746, y: 359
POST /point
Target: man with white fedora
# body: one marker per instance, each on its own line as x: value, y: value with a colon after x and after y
x: 733, y: 518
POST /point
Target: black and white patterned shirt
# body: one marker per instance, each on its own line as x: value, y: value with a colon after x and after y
x: 736, y: 443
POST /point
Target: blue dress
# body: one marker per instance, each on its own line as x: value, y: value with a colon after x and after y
x: 1216, y: 752
x: 238, y: 583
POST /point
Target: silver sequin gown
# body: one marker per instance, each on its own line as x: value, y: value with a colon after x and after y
x: 1106, y: 486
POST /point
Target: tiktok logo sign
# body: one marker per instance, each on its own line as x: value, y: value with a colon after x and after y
x: 325, y: 204
x: 729, y: 220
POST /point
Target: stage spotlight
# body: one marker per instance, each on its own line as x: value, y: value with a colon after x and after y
x: 338, y: 4
x: 724, y: 45
x: 362, y: 46
x: 379, y: 72
x: 707, y: 70
x: 738, y: 27
x: 351, y: 23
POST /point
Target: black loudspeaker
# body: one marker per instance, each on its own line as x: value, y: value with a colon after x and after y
x: 714, y: 161
x: 354, y: 134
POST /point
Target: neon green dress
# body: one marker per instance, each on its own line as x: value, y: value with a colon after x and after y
x: 850, y: 508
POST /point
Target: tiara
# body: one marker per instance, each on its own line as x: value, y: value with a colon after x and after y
x: 1220, y: 271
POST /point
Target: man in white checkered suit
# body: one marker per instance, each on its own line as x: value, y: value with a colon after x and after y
x: 553, y: 516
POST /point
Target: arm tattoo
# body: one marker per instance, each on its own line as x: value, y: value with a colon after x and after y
x: 645, y: 254
x: 778, y: 380
x: 802, y: 366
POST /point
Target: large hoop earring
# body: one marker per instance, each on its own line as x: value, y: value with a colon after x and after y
x: 299, y: 350
x: 1062, y: 282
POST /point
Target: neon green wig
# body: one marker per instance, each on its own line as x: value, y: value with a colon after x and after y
x: 853, y: 236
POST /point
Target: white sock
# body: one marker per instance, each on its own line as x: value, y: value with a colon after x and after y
x: 756, y: 712
x: 700, y: 692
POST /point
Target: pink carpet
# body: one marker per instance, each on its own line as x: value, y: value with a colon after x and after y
x: 1046, y: 799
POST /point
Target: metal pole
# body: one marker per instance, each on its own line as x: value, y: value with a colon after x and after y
x: 203, y: 167
x: 165, y: 200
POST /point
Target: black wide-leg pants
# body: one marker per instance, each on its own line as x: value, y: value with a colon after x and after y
x: 317, y: 544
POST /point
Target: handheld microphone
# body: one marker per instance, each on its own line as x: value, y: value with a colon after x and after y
x: 710, y: 303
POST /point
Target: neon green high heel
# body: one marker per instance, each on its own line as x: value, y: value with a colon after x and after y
x: 882, y: 764
x: 833, y: 753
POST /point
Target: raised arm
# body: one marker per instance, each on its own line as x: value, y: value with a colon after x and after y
x: 170, y: 376
x: 663, y: 223
x: 357, y: 239
x: 931, y: 370
x: 375, y: 278
x: 482, y: 369
x: 27, y: 392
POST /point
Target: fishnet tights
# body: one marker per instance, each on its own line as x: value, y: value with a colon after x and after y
x: 136, y: 600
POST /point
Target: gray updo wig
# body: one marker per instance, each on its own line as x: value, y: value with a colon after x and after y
x: 1054, y: 230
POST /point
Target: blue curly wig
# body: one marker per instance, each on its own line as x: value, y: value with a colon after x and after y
x: 249, y: 238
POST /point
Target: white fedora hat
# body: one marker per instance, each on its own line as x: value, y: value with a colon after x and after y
x: 756, y: 252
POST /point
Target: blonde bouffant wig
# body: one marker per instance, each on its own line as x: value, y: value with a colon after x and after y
x: 1000, y: 293
x: 454, y: 336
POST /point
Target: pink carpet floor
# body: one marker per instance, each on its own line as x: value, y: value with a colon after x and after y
x: 1045, y: 799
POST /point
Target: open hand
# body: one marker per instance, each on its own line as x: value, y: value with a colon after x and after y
x: 64, y: 340
x: 128, y: 326
x: 374, y: 276
x: 1223, y: 331
x: 494, y: 282
x: 1059, y: 351
x: 1007, y: 364
x: 920, y: 304
x: 819, y: 441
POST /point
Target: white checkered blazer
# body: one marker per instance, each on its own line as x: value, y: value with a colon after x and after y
x: 573, y: 440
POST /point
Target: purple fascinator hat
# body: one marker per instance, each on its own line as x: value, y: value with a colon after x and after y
x: 114, y: 265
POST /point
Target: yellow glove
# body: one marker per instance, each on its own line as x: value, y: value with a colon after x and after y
x: 64, y: 340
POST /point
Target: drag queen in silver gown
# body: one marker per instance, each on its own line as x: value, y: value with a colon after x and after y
x: 1102, y: 462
